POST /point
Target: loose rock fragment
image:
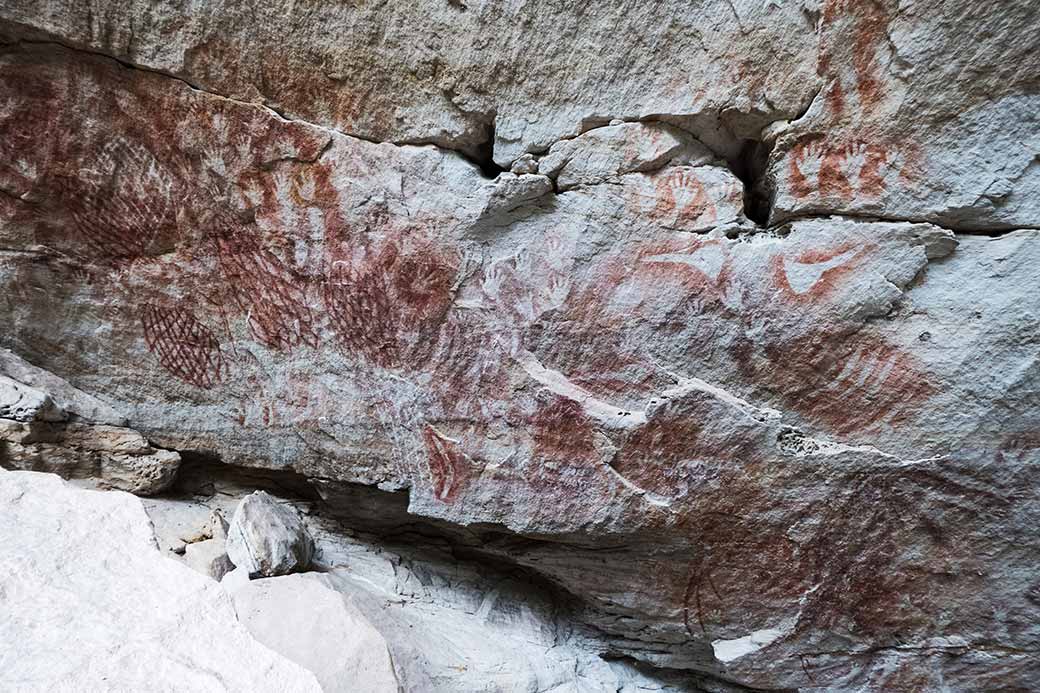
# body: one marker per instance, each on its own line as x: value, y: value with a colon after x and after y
x: 268, y: 538
x: 209, y: 557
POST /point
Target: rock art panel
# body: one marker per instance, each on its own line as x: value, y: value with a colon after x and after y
x: 184, y: 346
x: 905, y: 108
x: 657, y: 406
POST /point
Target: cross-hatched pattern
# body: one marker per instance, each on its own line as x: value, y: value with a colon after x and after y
x: 386, y: 300
x: 184, y: 346
x: 361, y: 309
x: 122, y: 202
x: 267, y: 290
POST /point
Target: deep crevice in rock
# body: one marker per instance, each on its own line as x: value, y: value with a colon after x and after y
x: 203, y: 473
x: 750, y: 167
x: 483, y: 155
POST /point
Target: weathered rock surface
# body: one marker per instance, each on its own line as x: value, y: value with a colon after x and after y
x: 893, y: 112
x: 267, y: 538
x: 21, y: 404
x: 913, y: 121
x: 119, y: 456
x: 603, y: 154
x: 89, y: 603
x: 796, y: 456
x: 38, y: 434
x: 416, y: 614
x: 526, y: 74
x: 76, y: 404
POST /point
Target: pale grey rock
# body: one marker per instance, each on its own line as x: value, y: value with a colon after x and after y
x: 303, y: 619
x: 511, y: 191
x: 914, y: 122
x: 215, y: 527
x: 424, y: 619
x: 189, y: 520
x: 892, y: 112
x: 267, y: 538
x: 90, y: 603
x: 218, y: 525
x: 604, y: 153
x: 233, y: 579
x: 75, y: 402
x: 209, y: 557
x: 19, y: 402
x: 627, y: 388
x: 525, y: 164
x: 536, y: 74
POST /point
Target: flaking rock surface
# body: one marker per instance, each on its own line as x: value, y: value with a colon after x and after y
x: 796, y: 456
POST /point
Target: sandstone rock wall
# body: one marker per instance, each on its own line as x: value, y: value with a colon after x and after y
x: 719, y: 316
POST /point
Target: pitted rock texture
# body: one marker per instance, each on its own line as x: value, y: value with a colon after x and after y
x: 801, y: 455
x: 21, y: 403
x: 120, y: 457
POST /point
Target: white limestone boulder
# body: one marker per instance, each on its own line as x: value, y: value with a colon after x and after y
x: 302, y: 618
x: 209, y: 557
x: 90, y: 604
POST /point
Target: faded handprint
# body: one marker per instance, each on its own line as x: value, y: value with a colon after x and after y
x: 525, y: 307
x: 853, y: 163
x: 494, y: 278
x: 684, y: 188
x: 524, y: 262
x: 552, y: 294
x: 808, y: 161
x: 891, y: 163
x: 423, y: 279
x: 557, y: 253
x: 213, y: 161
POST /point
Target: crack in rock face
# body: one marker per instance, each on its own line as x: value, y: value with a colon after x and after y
x: 724, y: 333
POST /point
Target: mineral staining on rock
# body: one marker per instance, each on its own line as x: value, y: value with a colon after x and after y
x: 662, y: 406
x: 907, y: 113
